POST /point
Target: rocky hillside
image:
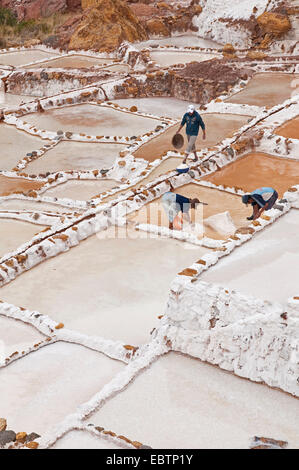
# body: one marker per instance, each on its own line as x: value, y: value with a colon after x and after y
x: 105, y: 26
x: 34, y: 9
x: 245, y: 23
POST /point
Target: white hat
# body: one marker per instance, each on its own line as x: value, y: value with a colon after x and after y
x: 190, y: 109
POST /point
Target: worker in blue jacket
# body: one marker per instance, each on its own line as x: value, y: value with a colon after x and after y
x: 193, y: 122
x: 261, y: 199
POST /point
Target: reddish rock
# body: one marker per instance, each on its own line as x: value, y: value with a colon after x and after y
x: 106, y: 26
x: 274, y: 23
x: 156, y: 27
x: 33, y: 9
x: 73, y: 5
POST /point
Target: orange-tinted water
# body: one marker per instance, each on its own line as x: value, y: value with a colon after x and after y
x: 256, y: 170
x: 14, y: 185
x: 290, y: 129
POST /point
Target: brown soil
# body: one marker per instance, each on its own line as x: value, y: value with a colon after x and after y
x: 256, y: 170
x: 14, y: 185
x: 216, y: 70
x: 218, y: 127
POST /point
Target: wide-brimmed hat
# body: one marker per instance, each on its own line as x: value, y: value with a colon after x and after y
x: 245, y: 198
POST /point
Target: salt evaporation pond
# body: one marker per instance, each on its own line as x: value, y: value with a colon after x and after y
x: 168, y: 107
x: 8, y: 100
x: 290, y: 129
x: 81, y: 190
x: 218, y: 202
x: 14, y: 233
x: 194, y: 405
x: 92, y: 119
x: 85, y: 440
x: 169, y: 58
x: 256, y: 170
x: 267, y: 266
x: 110, y: 287
x: 266, y: 89
x: 40, y: 390
x: 76, y: 156
x: 74, y: 61
x: 29, y: 205
x: 16, y: 336
x: 184, y: 40
x: 19, y: 58
x: 13, y: 185
x: 218, y: 127
x: 15, y: 145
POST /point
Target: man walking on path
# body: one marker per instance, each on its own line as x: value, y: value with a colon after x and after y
x: 262, y: 199
x: 174, y: 204
x: 193, y: 121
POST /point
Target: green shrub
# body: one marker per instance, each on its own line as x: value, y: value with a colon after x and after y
x: 7, y: 17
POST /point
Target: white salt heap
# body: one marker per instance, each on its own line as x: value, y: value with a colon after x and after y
x: 221, y: 223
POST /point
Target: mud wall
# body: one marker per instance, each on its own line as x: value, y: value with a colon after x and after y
x: 37, y: 83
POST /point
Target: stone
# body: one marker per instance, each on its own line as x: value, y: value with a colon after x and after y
x: 256, y: 55
x: 3, y: 424
x: 156, y: 27
x: 188, y: 272
x: 267, y: 443
x: 21, y: 437
x: 6, y: 437
x: 32, y: 445
x: 228, y: 49
x: 34, y: 9
x: 106, y: 26
x: 274, y: 23
x: 32, y: 42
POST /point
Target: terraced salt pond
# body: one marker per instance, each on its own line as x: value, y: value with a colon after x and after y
x: 24, y: 57
x: 84, y: 440
x: 194, y: 405
x: 15, y: 144
x: 218, y: 127
x: 290, y: 129
x: 259, y: 93
x: 16, y: 336
x: 82, y: 190
x: 256, y: 170
x: 26, y: 205
x: 267, y: 266
x: 218, y: 202
x: 13, y: 185
x: 92, y: 119
x: 168, y: 107
x: 74, y: 61
x: 14, y: 233
x: 182, y: 40
x: 169, y: 58
x: 76, y: 156
x: 7, y: 100
x: 51, y: 380
x: 106, y: 286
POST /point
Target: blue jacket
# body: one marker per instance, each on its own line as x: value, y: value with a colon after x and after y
x: 193, y: 121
